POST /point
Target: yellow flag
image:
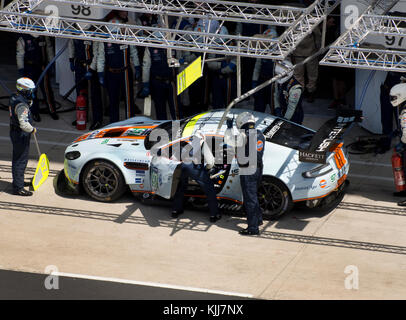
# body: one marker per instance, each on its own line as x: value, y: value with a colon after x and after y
x: 189, y: 75
x: 42, y: 171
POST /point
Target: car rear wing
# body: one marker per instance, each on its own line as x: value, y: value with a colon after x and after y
x: 328, y: 134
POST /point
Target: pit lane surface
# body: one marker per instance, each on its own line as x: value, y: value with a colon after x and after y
x: 305, y: 255
x: 27, y: 286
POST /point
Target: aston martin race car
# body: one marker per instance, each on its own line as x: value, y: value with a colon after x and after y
x: 300, y: 165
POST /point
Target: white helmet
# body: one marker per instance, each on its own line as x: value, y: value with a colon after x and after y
x: 398, y: 94
x: 281, y: 67
x: 244, y: 118
x: 25, y: 87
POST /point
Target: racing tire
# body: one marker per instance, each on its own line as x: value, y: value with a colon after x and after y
x: 103, y: 181
x: 274, y: 198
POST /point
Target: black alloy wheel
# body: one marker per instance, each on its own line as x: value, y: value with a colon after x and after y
x: 103, y: 181
x: 274, y: 198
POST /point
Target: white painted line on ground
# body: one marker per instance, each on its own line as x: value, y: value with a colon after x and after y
x: 369, y: 177
x: 368, y: 163
x: 3, y: 124
x: 152, y: 284
x: 41, y: 142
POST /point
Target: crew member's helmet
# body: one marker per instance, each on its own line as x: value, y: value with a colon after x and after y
x: 270, y: 32
x: 207, y: 26
x: 114, y: 29
x: 282, y: 67
x: 244, y: 119
x: 25, y: 87
x: 398, y: 94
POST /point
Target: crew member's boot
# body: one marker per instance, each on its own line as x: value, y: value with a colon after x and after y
x: 402, y: 203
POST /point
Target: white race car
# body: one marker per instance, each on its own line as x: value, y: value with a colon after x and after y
x: 300, y: 165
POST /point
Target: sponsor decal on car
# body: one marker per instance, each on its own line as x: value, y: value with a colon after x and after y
x: 136, y: 132
x: 312, y: 157
x: 135, y: 160
x: 154, y: 178
x: 274, y: 129
x: 323, y: 184
x: 140, y: 173
x: 305, y: 188
x: 105, y: 141
x: 333, y: 177
x: 260, y: 145
x: 139, y: 180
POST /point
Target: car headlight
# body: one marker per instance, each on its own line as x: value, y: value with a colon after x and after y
x: 318, y: 171
x: 72, y: 155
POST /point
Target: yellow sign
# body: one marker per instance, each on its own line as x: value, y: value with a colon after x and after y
x: 189, y: 75
x: 42, y: 172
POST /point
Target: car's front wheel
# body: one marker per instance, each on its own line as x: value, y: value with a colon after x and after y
x: 274, y: 198
x: 103, y: 181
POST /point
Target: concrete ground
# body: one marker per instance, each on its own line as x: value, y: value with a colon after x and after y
x: 354, y: 251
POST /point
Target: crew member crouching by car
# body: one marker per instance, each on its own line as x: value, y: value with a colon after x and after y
x: 197, y: 168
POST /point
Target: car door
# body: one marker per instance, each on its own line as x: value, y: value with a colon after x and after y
x: 165, y: 170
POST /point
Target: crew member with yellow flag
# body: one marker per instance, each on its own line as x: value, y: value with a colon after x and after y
x: 20, y: 132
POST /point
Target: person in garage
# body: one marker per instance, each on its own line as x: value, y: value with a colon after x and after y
x: 288, y: 94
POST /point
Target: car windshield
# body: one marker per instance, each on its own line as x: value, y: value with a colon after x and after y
x: 173, y: 130
x: 288, y: 134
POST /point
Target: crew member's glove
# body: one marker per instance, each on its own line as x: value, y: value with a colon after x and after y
x: 400, y: 147
x: 137, y: 72
x: 20, y: 72
x: 229, y: 68
x: 145, y: 90
x: 229, y: 123
x: 254, y: 84
x: 181, y: 61
x: 278, y: 112
x: 88, y: 75
x: 72, y: 65
x: 101, y: 78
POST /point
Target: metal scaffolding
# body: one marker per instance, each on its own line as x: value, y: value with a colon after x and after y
x: 350, y: 50
x: 21, y: 17
x: 209, y: 9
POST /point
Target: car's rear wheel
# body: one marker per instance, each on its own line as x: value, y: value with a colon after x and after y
x: 103, y: 181
x: 274, y: 198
